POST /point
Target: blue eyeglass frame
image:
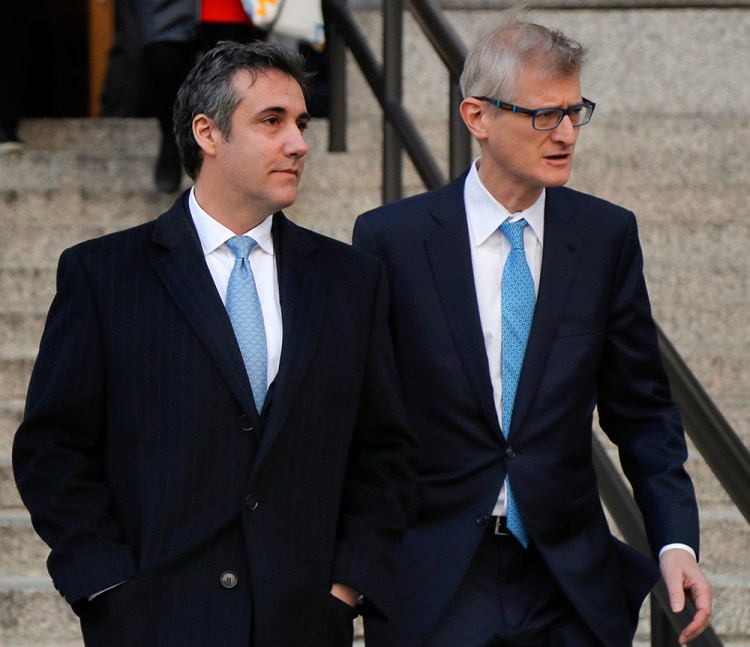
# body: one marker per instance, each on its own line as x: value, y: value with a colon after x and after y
x: 563, y: 112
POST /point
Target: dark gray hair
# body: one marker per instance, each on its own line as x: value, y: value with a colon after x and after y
x: 494, y: 65
x: 208, y: 90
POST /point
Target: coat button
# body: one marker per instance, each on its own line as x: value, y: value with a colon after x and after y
x: 482, y: 519
x: 245, y: 424
x: 509, y: 453
x: 251, y: 502
x: 228, y: 580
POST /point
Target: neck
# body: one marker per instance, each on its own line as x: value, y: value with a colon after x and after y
x: 235, y: 214
x: 513, y: 197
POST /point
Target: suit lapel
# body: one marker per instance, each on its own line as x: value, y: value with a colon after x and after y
x: 449, y: 253
x: 183, y: 270
x: 302, y: 294
x: 559, y: 265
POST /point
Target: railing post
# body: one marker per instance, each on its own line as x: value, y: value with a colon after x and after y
x: 662, y: 631
x: 459, y: 137
x: 337, y: 61
x: 393, y: 25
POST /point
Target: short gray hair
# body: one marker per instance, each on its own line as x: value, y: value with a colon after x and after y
x: 493, y: 66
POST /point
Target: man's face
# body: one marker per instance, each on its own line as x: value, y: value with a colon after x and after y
x: 261, y: 163
x: 518, y: 161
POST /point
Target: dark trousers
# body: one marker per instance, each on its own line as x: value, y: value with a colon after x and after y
x: 509, y: 598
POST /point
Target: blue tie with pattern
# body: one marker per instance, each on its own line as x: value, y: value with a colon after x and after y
x: 243, y: 306
x: 518, y: 299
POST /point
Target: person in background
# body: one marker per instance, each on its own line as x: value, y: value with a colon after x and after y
x: 174, y: 33
x: 213, y: 444
x: 518, y: 307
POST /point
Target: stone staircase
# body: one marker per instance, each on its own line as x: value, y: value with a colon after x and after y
x: 669, y: 140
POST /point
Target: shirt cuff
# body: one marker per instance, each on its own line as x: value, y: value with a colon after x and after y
x: 109, y: 588
x: 679, y: 547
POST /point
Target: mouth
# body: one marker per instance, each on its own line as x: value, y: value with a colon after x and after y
x: 559, y: 159
x: 291, y: 172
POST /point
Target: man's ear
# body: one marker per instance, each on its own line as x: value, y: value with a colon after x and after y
x: 206, y: 134
x: 473, y: 112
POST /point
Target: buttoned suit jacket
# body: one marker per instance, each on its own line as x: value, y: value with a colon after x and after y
x: 592, y: 343
x: 142, y: 459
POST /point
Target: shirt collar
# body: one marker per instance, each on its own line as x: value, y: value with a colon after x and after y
x: 486, y: 214
x: 213, y: 234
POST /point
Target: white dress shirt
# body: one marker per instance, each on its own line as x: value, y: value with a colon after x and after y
x: 220, y: 261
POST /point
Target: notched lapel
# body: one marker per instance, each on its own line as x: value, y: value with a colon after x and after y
x: 450, y: 260
x: 559, y: 266
x: 183, y: 270
x: 302, y: 290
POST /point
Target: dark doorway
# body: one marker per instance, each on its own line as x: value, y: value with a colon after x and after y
x: 58, y: 71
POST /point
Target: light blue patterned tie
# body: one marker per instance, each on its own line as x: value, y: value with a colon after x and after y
x: 518, y: 300
x: 243, y: 306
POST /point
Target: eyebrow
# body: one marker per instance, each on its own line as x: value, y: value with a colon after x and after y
x: 280, y: 110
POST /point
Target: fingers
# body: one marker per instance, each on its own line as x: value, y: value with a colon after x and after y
x: 674, y: 579
x: 696, y: 627
x: 681, y: 573
x: 701, y: 593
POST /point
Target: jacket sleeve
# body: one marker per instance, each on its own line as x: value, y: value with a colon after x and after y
x: 636, y: 410
x: 57, y: 451
x: 381, y: 474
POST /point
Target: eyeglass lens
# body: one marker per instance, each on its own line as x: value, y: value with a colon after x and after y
x: 549, y: 118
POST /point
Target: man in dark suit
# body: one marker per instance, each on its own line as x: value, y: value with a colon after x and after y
x: 185, y: 502
x: 517, y: 307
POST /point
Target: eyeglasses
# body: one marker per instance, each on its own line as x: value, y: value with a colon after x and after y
x: 550, y: 118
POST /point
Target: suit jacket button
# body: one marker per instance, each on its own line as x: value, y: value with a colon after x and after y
x: 245, y: 423
x: 251, y: 502
x: 509, y: 453
x: 228, y: 580
x: 482, y: 519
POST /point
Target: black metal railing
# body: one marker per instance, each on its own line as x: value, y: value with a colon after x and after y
x: 711, y: 434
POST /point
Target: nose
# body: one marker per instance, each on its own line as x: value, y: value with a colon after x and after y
x: 296, y: 145
x: 565, y: 132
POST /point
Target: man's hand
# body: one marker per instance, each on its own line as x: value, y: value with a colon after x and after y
x: 681, y: 573
x: 345, y: 594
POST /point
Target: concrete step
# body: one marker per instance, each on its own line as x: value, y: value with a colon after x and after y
x: 9, y: 497
x: 22, y: 553
x: 15, y: 372
x: 82, y: 206
x: 704, y: 331
x: 21, y: 328
x: 708, y: 489
x: 11, y: 411
x: 27, y: 285
x: 32, y: 612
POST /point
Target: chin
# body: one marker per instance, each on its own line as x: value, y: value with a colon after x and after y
x: 558, y: 179
x: 286, y: 200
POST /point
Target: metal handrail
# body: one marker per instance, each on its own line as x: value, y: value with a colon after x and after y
x: 344, y: 28
x: 621, y: 505
x: 709, y: 430
x: 712, y: 435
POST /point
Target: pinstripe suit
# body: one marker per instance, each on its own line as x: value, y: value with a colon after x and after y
x: 142, y: 459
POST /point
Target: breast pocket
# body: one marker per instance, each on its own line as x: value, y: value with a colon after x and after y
x: 579, y: 328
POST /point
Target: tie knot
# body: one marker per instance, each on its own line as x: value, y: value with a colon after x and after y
x: 513, y: 231
x: 240, y: 246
